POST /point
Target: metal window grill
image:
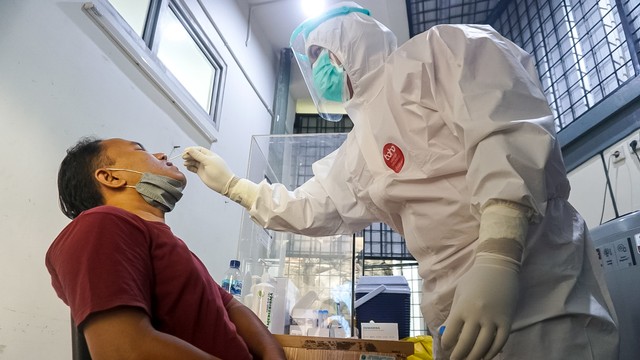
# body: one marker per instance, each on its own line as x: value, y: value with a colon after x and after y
x: 584, y: 50
x: 313, y: 124
x: 631, y: 11
x: 425, y: 14
x: 381, y: 242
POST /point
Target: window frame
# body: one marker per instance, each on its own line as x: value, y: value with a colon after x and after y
x: 206, y: 121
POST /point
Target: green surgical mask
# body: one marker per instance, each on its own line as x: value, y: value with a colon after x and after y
x: 160, y: 191
x: 328, y: 78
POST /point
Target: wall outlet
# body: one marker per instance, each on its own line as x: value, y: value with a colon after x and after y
x: 618, y: 153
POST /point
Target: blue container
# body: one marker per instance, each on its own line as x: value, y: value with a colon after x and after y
x: 387, y: 299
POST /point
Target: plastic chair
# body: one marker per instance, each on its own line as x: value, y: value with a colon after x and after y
x: 79, y: 348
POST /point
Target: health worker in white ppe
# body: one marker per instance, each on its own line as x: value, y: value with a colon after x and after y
x: 454, y: 147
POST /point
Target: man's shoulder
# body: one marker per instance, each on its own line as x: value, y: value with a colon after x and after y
x: 95, y: 225
x: 100, y: 219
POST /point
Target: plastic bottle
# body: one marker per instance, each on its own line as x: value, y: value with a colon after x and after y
x: 324, y: 318
x: 248, y: 299
x: 263, y: 296
x: 249, y: 273
x: 233, y: 279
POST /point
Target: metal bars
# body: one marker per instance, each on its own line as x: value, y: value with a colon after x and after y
x: 313, y: 124
x: 381, y: 242
x: 425, y: 14
x: 584, y: 50
x: 580, y: 49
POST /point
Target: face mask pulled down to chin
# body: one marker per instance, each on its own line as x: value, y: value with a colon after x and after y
x: 162, y: 192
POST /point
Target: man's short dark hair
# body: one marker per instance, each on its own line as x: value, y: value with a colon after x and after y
x: 77, y: 188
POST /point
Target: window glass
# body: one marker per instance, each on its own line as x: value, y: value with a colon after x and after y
x: 182, y: 56
x: 133, y: 12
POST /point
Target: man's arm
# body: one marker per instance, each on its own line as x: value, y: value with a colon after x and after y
x: 260, y: 341
x: 127, y: 333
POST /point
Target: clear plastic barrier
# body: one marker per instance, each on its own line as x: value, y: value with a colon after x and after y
x: 312, y: 276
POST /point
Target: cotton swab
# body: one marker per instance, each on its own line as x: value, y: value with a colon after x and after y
x: 169, y: 158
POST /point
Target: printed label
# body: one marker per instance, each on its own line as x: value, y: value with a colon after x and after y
x: 233, y: 287
x: 269, y: 305
x: 607, y: 256
x: 617, y: 255
x: 376, y: 357
x: 623, y: 253
x: 393, y: 157
x: 379, y: 331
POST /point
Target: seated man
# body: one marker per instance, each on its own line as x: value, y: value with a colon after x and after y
x: 134, y: 288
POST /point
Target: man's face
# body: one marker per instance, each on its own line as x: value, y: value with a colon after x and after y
x: 131, y: 155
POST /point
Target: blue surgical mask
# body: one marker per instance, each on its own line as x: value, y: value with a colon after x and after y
x: 160, y: 191
x: 328, y: 78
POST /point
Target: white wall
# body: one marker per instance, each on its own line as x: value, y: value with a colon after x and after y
x: 60, y: 79
x: 588, y: 193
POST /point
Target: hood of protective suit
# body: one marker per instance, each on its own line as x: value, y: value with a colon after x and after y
x: 361, y: 43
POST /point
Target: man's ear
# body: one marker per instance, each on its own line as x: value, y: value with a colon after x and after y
x: 108, y: 179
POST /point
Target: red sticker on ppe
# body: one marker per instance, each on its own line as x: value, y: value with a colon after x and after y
x: 393, y: 157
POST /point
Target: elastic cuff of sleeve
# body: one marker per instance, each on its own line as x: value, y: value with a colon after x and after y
x: 486, y: 259
x: 503, y: 229
x: 230, y: 184
x: 526, y: 211
x: 508, y: 248
x: 243, y: 191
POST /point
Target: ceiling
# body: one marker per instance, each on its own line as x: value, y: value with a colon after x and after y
x: 276, y: 20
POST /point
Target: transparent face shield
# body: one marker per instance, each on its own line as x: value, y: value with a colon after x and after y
x: 324, y: 79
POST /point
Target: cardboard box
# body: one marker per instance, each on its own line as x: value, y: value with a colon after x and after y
x: 318, y: 348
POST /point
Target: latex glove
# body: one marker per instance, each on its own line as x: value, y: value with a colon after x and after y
x: 486, y: 296
x: 217, y: 175
x: 210, y: 167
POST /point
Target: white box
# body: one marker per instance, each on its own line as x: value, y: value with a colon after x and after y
x: 379, y: 331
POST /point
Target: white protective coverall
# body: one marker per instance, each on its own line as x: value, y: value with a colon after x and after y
x: 451, y: 120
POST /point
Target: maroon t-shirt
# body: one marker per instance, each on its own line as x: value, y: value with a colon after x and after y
x: 108, y: 257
